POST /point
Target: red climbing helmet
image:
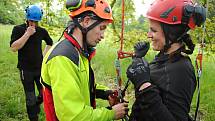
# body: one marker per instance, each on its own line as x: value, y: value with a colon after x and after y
x: 177, y: 12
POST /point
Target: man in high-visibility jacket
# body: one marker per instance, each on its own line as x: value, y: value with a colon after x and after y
x: 67, y: 77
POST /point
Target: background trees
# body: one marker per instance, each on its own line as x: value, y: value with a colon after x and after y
x: 56, y: 16
x: 56, y: 19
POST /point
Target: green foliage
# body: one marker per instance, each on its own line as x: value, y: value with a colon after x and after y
x: 52, y: 30
x: 10, y: 12
x: 209, y: 40
x: 134, y: 30
x: 143, y: 23
x: 211, y: 7
x: 55, y: 15
x: 12, y: 96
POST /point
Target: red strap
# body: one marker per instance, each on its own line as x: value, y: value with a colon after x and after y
x: 199, y: 58
x: 122, y: 54
x: 92, y: 55
x: 49, y: 105
x: 94, y: 104
x: 72, y: 40
x: 76, y: 44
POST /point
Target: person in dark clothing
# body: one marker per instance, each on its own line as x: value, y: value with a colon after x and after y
x: 164, y: 88
x: 69, y: 87
x: 27, y: 40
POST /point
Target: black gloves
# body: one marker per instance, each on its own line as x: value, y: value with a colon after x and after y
x: 104, y: 94
x: 140, y: 49
x: 138, y: 72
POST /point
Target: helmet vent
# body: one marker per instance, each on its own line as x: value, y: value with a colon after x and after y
x: 167, y: 12
x: 107, y: 10
x: 174, y: 18
x: 72, y: 5
x: 90, y: 3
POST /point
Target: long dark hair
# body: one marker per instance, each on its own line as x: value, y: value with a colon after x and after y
x: 178, y: 34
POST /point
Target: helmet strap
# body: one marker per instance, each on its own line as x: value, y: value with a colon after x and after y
x: 85, y: 31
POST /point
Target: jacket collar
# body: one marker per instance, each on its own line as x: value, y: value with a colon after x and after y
x: 173, y: 57
x: 88, y: 52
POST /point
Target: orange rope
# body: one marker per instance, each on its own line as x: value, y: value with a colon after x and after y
x: 120, y: 53
x: 123, y: 25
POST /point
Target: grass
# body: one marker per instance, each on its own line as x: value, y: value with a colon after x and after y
x: 207, y: 81
x: 12, y: 106
x: 12, y: 101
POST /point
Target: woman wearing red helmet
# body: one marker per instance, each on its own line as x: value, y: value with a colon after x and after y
x: 67, y: 76
x: 164, y: 88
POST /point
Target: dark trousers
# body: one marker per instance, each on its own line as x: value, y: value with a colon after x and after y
x: 29, y: 78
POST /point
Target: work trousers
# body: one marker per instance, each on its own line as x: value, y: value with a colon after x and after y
x: 29, y: 79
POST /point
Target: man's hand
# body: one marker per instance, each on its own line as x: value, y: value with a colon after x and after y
x: 113, y: 98
x: 19, y: 43
x: 121, y: 110
x: 30, y: 30
x: 138, y: 72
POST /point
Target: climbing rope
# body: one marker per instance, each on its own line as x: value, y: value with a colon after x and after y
x: 121, y: 55
x: 198, y: 62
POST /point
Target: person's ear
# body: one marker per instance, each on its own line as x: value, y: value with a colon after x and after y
x: 86, y: 21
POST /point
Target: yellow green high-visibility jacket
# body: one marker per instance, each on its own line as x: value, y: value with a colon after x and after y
x: 65, y: 77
